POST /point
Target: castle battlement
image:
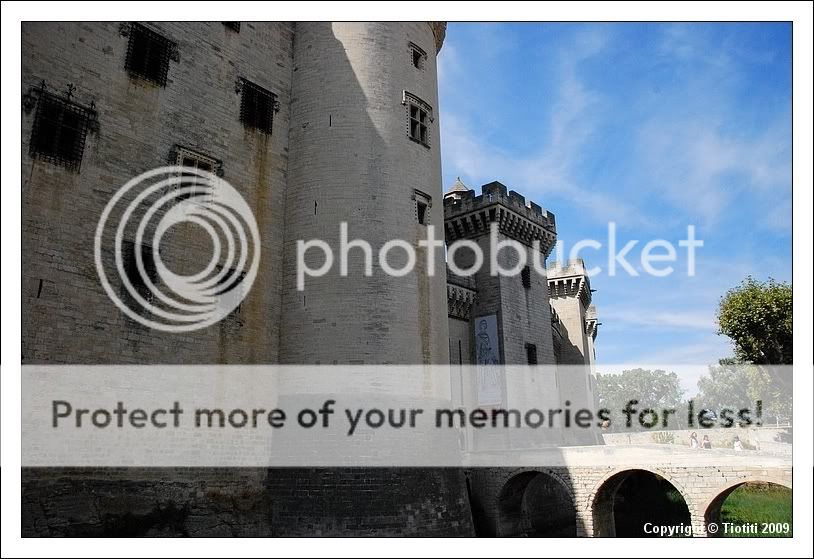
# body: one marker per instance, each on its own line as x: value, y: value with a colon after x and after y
x: 467, y: 215
x: 591, y: 322
x: 569, y: 279
x: 497, y: 193
x: 575, y: 267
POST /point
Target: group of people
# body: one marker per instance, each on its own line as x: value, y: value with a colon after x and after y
x: 706, y: 443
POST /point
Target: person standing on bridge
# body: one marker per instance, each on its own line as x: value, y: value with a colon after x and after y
x: 706, y: 443
x: 693, y: 440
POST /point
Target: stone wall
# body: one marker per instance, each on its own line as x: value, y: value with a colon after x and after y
x: 341, y: 90
x: 244, y: 502
x: 67, y: 317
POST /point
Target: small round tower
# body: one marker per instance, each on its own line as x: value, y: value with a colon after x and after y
x: 364, y: 145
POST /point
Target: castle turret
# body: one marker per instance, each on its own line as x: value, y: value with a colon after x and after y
x: 457, y: 191
x: 365, y: 151
x: 570, y: 290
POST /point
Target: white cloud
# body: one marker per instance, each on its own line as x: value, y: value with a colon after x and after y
x: 702, y: 170
x: 694, y: 320
x: 549, y: 172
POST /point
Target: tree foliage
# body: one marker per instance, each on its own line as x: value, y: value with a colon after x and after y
x: 657, y: 389
x: 727, y: 385
x: 757, y: 317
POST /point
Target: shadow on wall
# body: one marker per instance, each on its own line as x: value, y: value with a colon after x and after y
x: 264, y: 502
x: 363, y: 329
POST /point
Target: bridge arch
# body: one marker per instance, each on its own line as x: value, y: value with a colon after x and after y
x: 535, y: 502
x: 605, y: 501
x: 712, y: 506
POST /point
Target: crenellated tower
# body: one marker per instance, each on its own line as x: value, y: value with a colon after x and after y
x: 519, y: 303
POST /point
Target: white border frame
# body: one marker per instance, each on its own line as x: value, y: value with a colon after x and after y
x: 12, y: 15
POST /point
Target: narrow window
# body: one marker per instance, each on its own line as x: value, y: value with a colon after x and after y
x: 423, y: 202
x: 421, y: 211
x: 257, y: 106
x: 148, y: 54
x: 59, y: 131
x: 525, y: 277
x: 417, y: 56
x: 531, y: 354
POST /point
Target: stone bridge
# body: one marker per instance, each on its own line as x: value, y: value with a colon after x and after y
x: 575, y: 493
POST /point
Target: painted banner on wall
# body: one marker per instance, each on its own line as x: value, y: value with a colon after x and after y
x: 487, y: 357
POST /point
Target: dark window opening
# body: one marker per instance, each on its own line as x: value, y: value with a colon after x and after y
x: 525, y: 277
x: 423, y: 203
x: 418, y: 124
x: 417, y: 56
x: 233, y: 25
x: 59, y: 131
x: 137, y: 280
x: 148, y: 54
x: 531, y: 354
x: 421, y: 212
x: 257, y: 107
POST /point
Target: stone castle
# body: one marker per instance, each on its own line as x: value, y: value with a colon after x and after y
x: 316, y: 124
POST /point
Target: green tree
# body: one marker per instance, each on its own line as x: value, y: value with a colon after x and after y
x: 727, y: 385
x: 657, y: 389
x: 757, y: 317
x: 733, y: 384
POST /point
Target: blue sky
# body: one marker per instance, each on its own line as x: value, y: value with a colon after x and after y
x: 653, y: 126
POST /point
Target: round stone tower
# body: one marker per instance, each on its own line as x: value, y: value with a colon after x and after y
x: 364, y: 150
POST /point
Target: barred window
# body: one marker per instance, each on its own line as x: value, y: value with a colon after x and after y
x: 257, y: 106
x: 233, y: 25
x: 59, y: 131
x: 419, y: 117
x: 148, y: 54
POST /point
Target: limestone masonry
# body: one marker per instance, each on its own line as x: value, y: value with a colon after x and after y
x: 315, y: 124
